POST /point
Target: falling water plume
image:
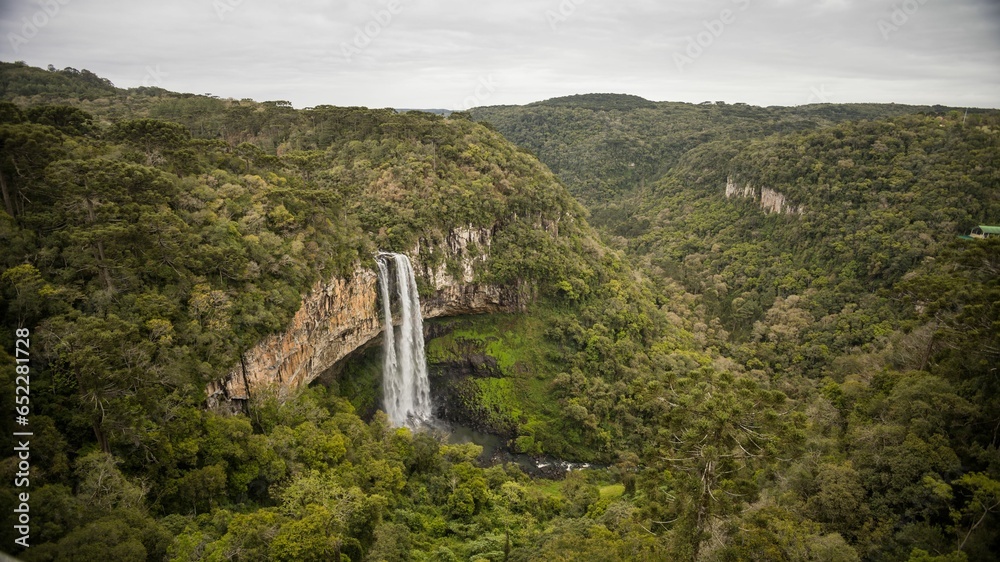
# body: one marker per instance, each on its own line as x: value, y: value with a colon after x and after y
x: 405, y: 386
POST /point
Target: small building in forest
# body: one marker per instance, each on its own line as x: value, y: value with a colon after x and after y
x: 984, y: 231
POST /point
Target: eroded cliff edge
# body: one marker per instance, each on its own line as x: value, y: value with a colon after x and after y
x: 770, y: 200
x: 340, y: 315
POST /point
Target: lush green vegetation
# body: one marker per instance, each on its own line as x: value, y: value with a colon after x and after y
x: 814, y: 386
x: 606, y: 146
x: 861, y: 306
x: 145, y: 255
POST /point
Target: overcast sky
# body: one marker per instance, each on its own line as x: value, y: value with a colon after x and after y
x: 452, y: 54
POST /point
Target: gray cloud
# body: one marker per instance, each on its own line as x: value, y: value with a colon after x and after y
x: 444, y: 53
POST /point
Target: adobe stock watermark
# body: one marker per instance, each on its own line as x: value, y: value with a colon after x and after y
x: 154, y: 76
x: 819, y: 94
x: 697, y: 44
x: 485, y: 87
x: 900, y: 16
x: 563, y: 12
x: 223, y: 7
x: 32, y: 25
x: 366, y: 33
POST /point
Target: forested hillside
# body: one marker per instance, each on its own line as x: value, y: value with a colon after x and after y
x: 604, y: 146
x: 859, y: 296
x: 144, y: 255
x: 827, y: 262
x: 812, y: 384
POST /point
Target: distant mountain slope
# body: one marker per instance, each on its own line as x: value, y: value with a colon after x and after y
x: 598, y: 102
x: 22, y: 81
x: 604, y: 146
x: 860, y: 203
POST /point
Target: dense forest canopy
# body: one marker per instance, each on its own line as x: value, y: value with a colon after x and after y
x: 816, y: 383
x: 828, y: 298
x: 605, y: 146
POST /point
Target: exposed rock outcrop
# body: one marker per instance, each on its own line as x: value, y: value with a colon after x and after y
x: 734, y: 189
x: 771, y: 201
x: 340, y: 315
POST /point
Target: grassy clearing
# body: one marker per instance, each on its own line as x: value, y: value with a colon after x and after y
x: 549, y: 487
x: 612, y: 491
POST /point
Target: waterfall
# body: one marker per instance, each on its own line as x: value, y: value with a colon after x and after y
x: 405, y: 387
x: 390, y: 366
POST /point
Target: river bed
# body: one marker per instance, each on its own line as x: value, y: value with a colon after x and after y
x: 497, y: 452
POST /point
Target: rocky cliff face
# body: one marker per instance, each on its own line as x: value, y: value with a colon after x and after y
x: 455, y: 292
x: 771, y: 201
x: 339, y: 316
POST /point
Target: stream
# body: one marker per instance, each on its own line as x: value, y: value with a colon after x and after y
x: 495, y: 451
